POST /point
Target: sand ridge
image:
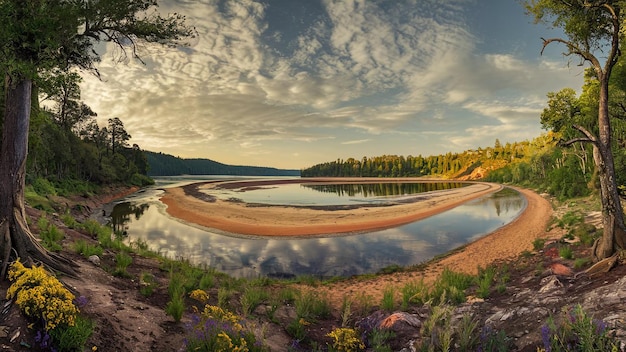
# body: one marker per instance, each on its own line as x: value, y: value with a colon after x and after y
x: 241, y: 218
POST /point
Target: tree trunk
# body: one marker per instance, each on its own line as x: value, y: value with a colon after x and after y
x: 614, y: 233
x: 14, y: 232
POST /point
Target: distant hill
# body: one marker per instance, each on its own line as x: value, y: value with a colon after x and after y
x: 168, y: 165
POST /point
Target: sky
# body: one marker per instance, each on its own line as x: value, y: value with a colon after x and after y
x: 294, y: 83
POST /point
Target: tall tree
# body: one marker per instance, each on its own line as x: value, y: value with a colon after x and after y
x: 39, y: 36
x: 590, y: 27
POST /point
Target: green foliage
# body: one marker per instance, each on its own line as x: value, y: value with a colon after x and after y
x: 86, y: 250
x: 37, y: 201
x: 570, y: 219
x: 578, y: 331
x: 50, y: 235
x: 122, y: 261
x: 176, y: 306
x: 566, y: 252
x: 147, y: 284
x: 310, y: 305
x: 580, y: 263
x: 586, y: 234
x: 69, y: 221
x: 44, y: 187
x: 414, y: 292
x: 539, y: 243
x: 485, y: 280
x: 437, y: 329
x: 491, y: 340
x: 73, y: 338
x: 389, y: 299
x: 378, y: 339
x: 297, y: 329
x: 252, y: 296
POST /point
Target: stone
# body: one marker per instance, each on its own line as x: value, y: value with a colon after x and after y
x: 94, y: 259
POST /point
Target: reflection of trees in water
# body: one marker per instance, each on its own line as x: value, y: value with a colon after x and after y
x: 383, y: 189
x: 120, y: 216
x: 507, y: 198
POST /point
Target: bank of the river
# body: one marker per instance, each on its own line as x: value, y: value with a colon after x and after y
x: 125, y: 320
x: 190, y: 204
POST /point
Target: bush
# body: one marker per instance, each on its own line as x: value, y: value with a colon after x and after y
x: 215, y: 329
x: 73, y: 338
x: 346, y: 339
x: 539, y: 243
x: 578, y: 332
x: 41, y: 296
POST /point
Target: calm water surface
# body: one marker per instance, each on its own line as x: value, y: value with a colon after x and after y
x: 143, y: 217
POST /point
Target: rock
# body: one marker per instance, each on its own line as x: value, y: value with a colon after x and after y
x: 94, y: 259
x: 284, y: 315
x: 549, y: 284
x: 561, y: 270
x: 397, y: 320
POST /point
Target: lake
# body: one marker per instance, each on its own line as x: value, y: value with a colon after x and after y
x: 142, y: 216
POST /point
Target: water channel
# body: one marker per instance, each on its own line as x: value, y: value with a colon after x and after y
x: 142, y: 217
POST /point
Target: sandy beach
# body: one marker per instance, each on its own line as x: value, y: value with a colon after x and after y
x: 192, y: 205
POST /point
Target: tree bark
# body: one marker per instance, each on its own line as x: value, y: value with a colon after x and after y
x: 15, y: 236
x: 614, y: 233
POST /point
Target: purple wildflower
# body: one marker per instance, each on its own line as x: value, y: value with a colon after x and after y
x: 600, y: 326
x: 80, y: 301
x: 546, y: 337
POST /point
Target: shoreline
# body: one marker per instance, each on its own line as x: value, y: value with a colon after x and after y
x: 190, y: 205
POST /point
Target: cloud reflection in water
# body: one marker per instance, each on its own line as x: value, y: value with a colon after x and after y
x: 320, y: 256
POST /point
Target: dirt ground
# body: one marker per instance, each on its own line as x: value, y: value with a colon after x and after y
x: 127, y: 321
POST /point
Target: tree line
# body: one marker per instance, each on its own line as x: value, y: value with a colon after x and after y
x: 66, y: 145
x: 168, y: 165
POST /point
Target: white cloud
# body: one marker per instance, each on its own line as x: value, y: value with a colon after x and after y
x: 360, y: 67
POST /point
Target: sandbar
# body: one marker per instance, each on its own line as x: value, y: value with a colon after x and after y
x: 190, y: 205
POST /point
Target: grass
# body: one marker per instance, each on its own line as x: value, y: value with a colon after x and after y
x: 87, y: 250
x: 50, y: 235
x: 388, y: 303
x: 310, y: 306
x: 566, y: 252
x: 252, y: 296
x: 147, y: 284
x: 122, y: 261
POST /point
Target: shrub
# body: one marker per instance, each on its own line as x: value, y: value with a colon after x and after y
x: 346, y: 339
x: 215, y: 329
x: 72, y: 338
x: 578, y: 332
x: 484, y: 280
x: 41, y: 296
x: 199, y: 295
x: 176, y: 306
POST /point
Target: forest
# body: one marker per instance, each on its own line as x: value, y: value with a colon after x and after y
x: 68, y: 150
x: 168, y: 165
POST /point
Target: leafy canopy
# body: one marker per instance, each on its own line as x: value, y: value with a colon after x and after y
x: 39, y: 35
